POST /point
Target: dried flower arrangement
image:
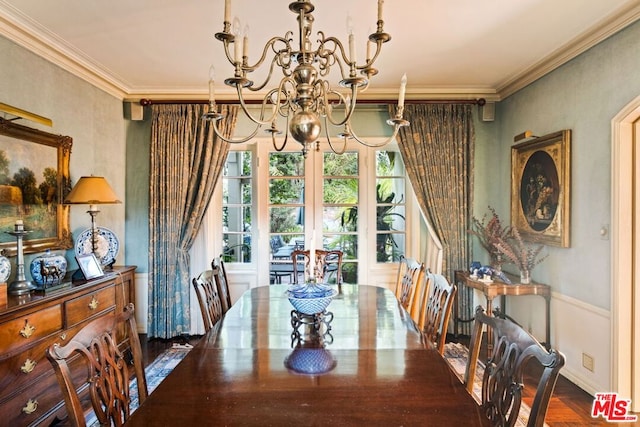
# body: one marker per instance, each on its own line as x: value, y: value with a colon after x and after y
x: 490, y: 233
x: 522, y: 255
x: 505, y: 240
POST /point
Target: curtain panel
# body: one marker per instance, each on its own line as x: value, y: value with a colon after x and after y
x: 186, y: 161
x: 437, y: 148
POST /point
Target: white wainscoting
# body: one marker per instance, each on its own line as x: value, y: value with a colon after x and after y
x: 142, y: 301
x: 576, y: 328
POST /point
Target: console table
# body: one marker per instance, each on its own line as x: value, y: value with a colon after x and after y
x: 502, y: 289
x: 29, y: 324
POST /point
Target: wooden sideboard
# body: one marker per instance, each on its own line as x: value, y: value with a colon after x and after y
x: 29, y: 324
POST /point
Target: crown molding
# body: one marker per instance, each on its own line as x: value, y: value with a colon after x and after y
x: 608, y: 27
x: 18, y: 28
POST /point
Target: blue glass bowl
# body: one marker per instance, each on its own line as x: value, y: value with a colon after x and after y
x: 312, y: 302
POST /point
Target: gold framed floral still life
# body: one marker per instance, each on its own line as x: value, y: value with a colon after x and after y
x: 34, y: 178
x: 541, y: 188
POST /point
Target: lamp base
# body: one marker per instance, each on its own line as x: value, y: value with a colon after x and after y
x: 21, y: 287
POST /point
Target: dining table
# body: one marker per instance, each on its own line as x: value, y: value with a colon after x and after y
x: 362, y: 361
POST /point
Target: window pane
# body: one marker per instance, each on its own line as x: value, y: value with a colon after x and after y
x: 349, y: 272
x: 390, y: 218
x: 236, y: 218
x: 286, y: 220
x: 236, y: 190
x: 286, y: 191
x: 340, y: 164
x: 390, y: 190
x: 236, y: 247
x: 389, y: 247
x: 238, y: 164
x: 286, y: 164
x: 340, y: 191
x: 389, y: 163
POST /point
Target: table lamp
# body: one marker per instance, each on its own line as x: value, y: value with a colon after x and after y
x: 92, y: 191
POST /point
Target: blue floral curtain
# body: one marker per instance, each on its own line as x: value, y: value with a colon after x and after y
x: 186, y: 161
x: 437, y: 149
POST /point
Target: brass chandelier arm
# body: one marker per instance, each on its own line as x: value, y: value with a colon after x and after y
x: 349, y: 106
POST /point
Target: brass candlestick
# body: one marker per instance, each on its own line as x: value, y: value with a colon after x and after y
x: 21, y: 285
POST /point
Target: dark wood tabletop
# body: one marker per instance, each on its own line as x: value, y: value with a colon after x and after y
x: 364, y: 362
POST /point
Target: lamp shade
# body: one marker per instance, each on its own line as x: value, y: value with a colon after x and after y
x: 92, y: 190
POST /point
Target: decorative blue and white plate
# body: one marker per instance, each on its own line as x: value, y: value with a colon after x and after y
x: 107, y: 245
x: 5, y: 269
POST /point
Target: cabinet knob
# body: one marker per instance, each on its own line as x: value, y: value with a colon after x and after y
x: 30, y: 407
x: 28, y: 366
x: 28, y: 329
x: 94, y: 303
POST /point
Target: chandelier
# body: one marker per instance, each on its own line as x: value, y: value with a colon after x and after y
x: 304, y: 97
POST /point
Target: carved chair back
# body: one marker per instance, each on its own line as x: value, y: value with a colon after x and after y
x: 107, y: 368
x: 502, y: 381
x: 222, y: 283
x: 410, y: 272
x: 327, y: 264
x: 434, y: 319
x: 208, y: 297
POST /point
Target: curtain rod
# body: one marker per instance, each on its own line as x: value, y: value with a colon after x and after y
x: 479, y: 101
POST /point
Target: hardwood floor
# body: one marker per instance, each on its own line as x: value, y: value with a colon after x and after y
x: 570, y: 405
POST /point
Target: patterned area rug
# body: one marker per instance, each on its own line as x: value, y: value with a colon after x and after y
x: 155, y: 373
x: 456, y: 355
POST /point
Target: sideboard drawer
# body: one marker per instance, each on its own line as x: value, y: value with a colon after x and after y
x: 82, y: 308
x: 28, y: 329
x: 31, y: 403
x: 25, y: 367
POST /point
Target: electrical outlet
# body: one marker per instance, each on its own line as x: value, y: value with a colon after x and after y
x: 588, y: 362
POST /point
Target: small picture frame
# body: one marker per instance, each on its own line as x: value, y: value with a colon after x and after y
x: 89, y: 266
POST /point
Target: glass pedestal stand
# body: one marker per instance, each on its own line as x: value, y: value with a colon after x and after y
x: 21, y: 285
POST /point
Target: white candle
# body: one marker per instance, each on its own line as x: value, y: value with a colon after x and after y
x: 227, y: 10
x: 212, y: 78
x: 403, y: 87
x: 19, y: 226
x: 380, y: 3
x: 352, y: 48
x: 238, y: 49
x: 245, y: 42
x: 237, y: 42
x: 368, y: 50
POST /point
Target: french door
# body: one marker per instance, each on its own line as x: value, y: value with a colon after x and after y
x: 274, y: 202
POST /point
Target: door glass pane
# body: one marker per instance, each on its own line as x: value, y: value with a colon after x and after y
x: 340, y: 190
x: 286, y: 212
x: 390, y: 206
x: 237, y: 206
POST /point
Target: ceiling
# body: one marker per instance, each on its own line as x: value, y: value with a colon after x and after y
x: 462, y: 49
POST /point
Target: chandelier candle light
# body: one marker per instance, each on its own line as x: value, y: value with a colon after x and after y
x: 303, y: 96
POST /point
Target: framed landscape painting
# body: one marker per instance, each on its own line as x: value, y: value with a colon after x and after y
x: 34, y: 178
x: 541, y: 188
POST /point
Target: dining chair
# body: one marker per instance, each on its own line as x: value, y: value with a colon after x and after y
x: 208, y: 297
x: 410, y: 272
x: 327, y: 264
x: 108, y: 369
x: 222, y: 283
x: 436, y: 309
x: 502, y: 381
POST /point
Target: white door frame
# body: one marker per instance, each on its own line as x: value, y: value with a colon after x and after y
x: 623, y: 174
